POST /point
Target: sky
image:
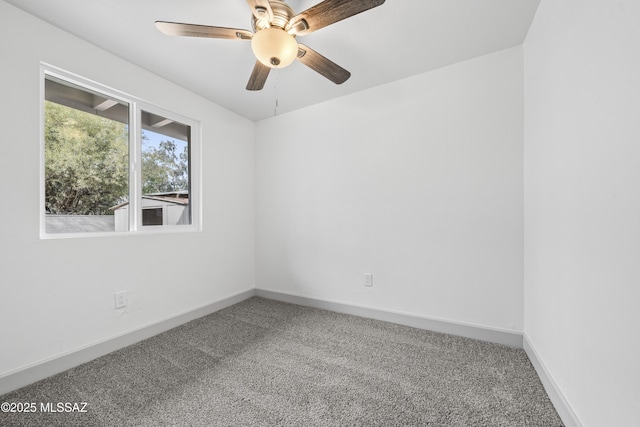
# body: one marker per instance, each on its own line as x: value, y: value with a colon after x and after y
x: 155, y: 138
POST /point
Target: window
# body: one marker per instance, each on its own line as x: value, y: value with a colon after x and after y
x: 152, y: 216
x: 112, y: 163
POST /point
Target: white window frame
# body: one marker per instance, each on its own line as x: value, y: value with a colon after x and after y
x: 136, y: 106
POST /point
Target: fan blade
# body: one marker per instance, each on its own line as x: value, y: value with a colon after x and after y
x: 326, y: 13
x: 192, y: 30
x: 261, y: 10
x: 258, y: 76
x: 322, y: 65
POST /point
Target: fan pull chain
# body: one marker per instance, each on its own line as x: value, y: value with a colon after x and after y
x: 275, y: 88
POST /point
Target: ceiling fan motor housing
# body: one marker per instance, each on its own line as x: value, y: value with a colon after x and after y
x: 282, y: 14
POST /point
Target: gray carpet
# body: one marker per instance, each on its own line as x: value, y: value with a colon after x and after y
x: 267, y: 363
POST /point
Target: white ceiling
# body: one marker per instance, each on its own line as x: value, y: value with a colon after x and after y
x: 399, y: 39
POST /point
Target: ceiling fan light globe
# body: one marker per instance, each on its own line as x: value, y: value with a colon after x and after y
x: 274, y: 47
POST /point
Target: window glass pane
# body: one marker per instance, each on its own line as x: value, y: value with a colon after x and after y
x: 166, y: 178
x: 86, y: 156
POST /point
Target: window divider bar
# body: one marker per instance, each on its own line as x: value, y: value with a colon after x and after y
x: 135, y: 177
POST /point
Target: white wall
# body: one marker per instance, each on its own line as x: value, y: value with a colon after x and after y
x: 58, y: 295
x: 582, y: 204
x: 418, y: 182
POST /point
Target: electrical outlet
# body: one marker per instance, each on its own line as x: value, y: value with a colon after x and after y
x: 122, y: 299
x: 368, y: 279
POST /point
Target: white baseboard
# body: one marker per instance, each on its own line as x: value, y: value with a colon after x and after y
x: 46, y: 368
x: 513, y: 339
x: 569, y: 418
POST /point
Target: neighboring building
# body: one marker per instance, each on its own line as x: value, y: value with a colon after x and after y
x: 170, y: 208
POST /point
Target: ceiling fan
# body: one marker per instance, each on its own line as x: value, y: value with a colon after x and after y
x: 275, y: 27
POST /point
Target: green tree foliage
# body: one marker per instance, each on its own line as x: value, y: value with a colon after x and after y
x: 164, y: 168
x: 86, y: 162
